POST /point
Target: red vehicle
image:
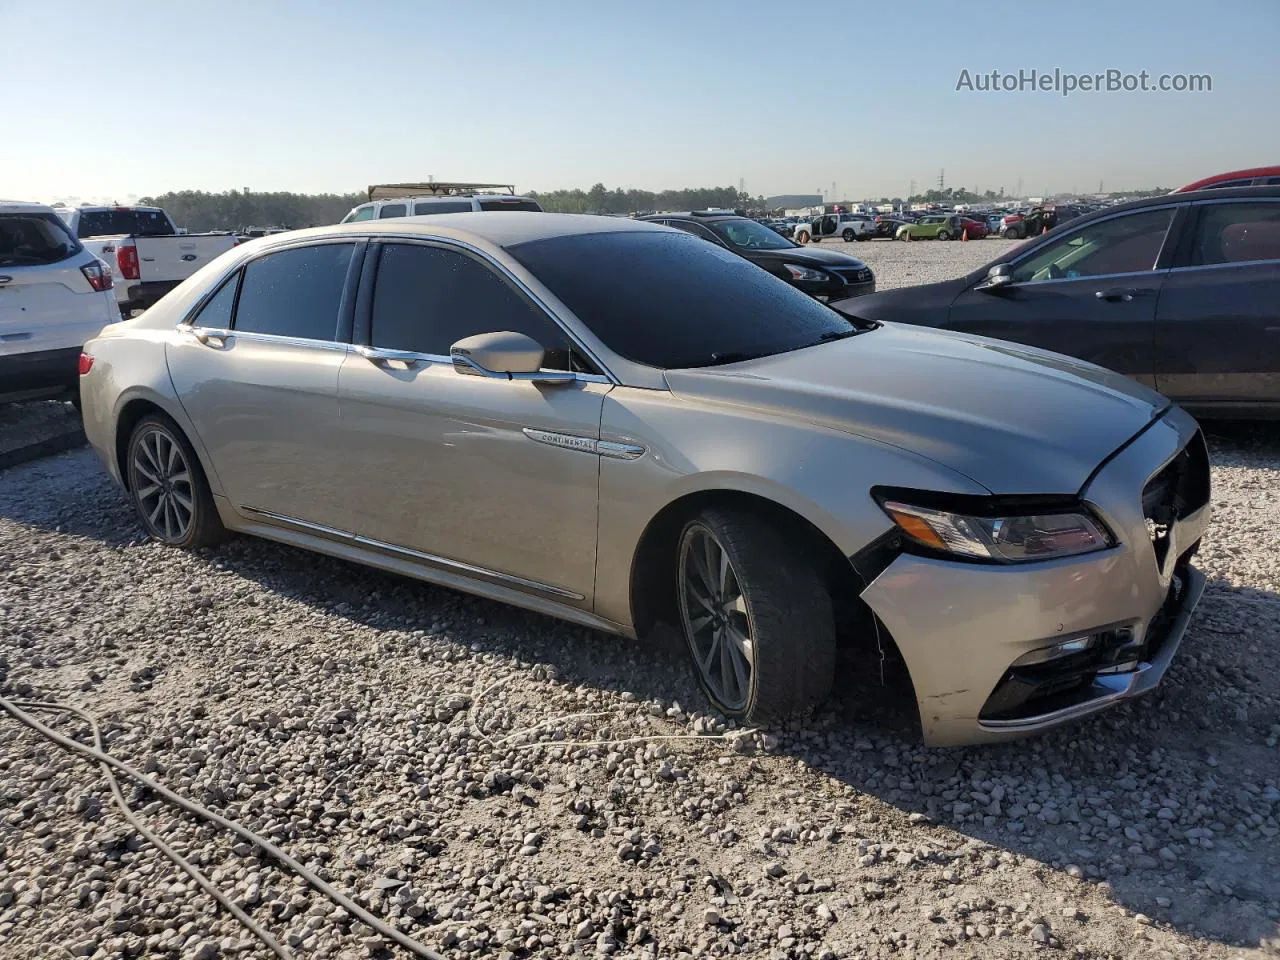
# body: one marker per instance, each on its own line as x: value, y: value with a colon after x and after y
x: 976, y: 229
x: 1253, y: 177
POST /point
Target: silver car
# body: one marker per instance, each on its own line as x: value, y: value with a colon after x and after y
x: 618, y: 424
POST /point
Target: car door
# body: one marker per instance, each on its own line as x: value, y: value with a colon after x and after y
x: 1090, y: 293
x: 256, y: 370
x: 489, y: 477
x: 1218, y: 320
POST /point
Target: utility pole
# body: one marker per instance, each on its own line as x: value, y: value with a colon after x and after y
x: 1018, y: 192
x: 942, y: 179
x: 911, y: 191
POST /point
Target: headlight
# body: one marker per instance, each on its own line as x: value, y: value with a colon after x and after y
x: 1015, y: 538
x: 799, y: 272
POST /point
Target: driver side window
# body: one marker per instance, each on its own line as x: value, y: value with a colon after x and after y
x: 1125, y: 244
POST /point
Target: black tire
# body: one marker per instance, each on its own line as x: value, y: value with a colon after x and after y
x: 943, y: 235
x: 848, y: 236
x: 788, y: 613
x: 204, y: 527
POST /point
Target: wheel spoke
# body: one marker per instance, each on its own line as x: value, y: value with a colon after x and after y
x: 173, y: 456
x: 716, y: 644
x: 146, y: 474
x: 699, y: 558
x: 703, y: 601
x: 181, y: 499
x: 144, y: 448
x: 726, y: 668
x: 145, y: 493
x: 696, y: 624
x: 724, y: 573
x: 157, y: 511
x: 741, y: 671
x: 742, y: 643
x: 182, y: 476
x: 712, y: 563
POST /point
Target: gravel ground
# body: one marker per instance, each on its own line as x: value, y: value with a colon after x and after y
x: 503, y: 785
x: 899, y: 264
x: 22, y: 424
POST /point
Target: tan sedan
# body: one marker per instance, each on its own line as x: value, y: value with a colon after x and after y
x: 618, y: 424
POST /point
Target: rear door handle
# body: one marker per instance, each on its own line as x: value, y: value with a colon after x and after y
x: 211, y: 337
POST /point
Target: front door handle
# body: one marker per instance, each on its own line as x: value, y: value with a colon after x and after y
x: 211, y: 337
x: 382, y: 357
x: 1119, y: 294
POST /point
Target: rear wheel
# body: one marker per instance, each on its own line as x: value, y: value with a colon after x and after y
x: 168, y: 486
x: 943, y: 235
x: 848, y: 236
x: 756, y: 616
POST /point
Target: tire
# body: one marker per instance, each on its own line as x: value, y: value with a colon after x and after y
x: 943, y: 235
x: 848, y: 236
x: 783, y: 611
x: 159, y: 455
x: 802, y: 237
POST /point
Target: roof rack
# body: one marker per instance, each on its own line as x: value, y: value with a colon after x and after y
x: 390, y: 191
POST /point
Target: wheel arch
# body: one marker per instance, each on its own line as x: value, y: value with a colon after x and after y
x: 132, y: 408
x: 652, y: 580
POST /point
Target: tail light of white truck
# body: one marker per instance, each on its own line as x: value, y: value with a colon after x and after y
x: 98, y: 274
x: 127, y: 260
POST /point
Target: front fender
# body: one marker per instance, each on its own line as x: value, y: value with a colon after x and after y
x: 692, y: 447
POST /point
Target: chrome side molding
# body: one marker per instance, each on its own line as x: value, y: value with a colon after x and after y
x: 569, y: 441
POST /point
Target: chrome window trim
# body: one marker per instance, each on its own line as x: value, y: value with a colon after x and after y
x: 504, y: 271
x: 305, y: 342
x: 1096, y: 277
x: 1223, y: 266
x: 455, y: 565
x: 1115, y: 216
x: 432, y: 358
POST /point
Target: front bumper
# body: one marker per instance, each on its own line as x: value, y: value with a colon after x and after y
x: 961, y: 626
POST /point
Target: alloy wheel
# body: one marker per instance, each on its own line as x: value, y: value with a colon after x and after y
x: 162, y: 484
x: 715, y: 618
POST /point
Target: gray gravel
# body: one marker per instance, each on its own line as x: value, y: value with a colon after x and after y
x: 403, y: 740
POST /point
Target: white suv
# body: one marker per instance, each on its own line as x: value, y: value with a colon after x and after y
x: 54, y: 295
x: 425, y: 199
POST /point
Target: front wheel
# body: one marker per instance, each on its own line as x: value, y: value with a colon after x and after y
x: 756, y: 615
x: 168, y: 486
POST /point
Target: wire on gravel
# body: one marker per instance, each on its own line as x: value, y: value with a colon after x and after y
x: 110, y: 766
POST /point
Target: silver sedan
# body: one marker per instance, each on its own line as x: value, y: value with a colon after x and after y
x: 615, y: 423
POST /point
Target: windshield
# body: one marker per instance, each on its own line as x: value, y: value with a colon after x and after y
x: 670, y: 300
x: 749, y: 235
x: 139, y: 223
x: 33, y: 239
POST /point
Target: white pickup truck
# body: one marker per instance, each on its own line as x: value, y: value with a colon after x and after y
x: 846, y: 226
x: 147, y: 254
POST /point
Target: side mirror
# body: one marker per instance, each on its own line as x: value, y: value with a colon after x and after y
x: 999, y: 277
x: 505, y: 356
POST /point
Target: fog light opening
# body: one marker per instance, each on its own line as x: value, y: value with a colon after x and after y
x: 1064, y: 648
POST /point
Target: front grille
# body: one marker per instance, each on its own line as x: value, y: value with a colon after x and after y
x: 853, y: 274
x: 1177, y: 491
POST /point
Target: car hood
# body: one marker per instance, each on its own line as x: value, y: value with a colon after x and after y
x: 1014, y: 419
x: 808, y: 256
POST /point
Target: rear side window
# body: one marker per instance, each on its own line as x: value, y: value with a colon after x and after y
x: 363, y: 213
x: 216, y: 312
x: 526, y: 205
x: 392, y: 210
x: 295, y: 293
x: 426, y: 299
x: 442, y: 206
x: 34, y: 239
x: 140, y: 223
x: 1237, y: 233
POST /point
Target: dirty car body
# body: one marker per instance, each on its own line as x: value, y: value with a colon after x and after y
x: 1018, y: 523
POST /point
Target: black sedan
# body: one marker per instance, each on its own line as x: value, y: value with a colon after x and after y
x: 1180, y: 292
x: 819, y: 272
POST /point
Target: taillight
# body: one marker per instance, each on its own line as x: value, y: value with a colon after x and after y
x: 98, y: 274
x: 127, y: 261
x: 86, y: 363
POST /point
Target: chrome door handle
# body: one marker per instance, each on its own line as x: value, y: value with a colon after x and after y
x: 381, y: 356
x: 1115, y: 294
x: 210, y: 336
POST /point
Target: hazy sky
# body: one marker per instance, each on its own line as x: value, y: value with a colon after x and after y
x: 331, y: 95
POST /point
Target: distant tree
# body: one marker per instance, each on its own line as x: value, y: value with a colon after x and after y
x: 198, y: 210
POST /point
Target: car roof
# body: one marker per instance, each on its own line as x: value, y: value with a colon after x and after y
x: 503, y: 228
x: 1222, y: 193
x: 1248, y: 173
x: 699, y: 217
x: 24, y: 206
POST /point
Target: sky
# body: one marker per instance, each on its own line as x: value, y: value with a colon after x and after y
x: 330, y: 95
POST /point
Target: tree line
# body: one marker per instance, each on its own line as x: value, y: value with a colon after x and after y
x: 201, y: 210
